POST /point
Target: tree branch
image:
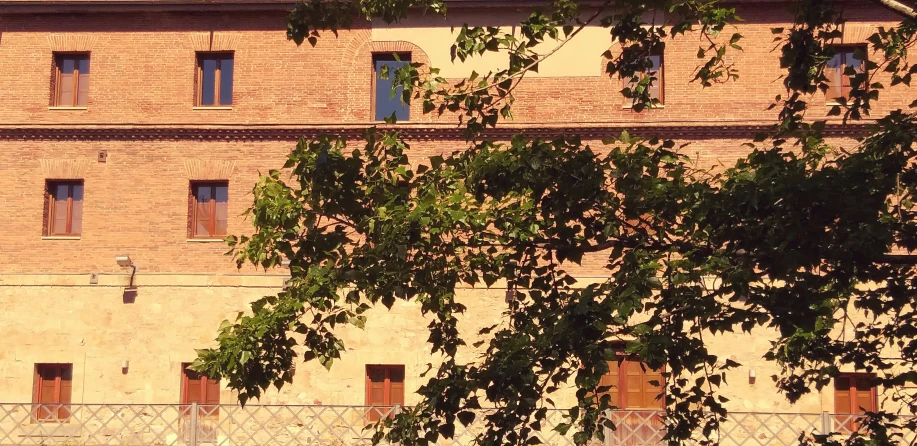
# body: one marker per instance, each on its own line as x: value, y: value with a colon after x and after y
x: 898, y: 6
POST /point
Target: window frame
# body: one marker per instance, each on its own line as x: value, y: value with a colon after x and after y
x: 62, y: 412
x: 373, y: 413
x: 193, y: 204
x: 50, y: 199
x: 205, y: 409
x: 618, y: 392
x: 219, y: 56
x: 404, y: 57
x: 844, y: 51
x: 854, y: 377
x: 659, y: 84
x: 56, y: 92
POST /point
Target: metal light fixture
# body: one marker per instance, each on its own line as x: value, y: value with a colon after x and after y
x: 125, y: 261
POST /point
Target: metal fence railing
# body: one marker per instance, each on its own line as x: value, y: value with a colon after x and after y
x: 228, y: 425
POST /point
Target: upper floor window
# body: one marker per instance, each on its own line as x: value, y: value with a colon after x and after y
x: 385, y: 101
x: 51, y: 393
x: 656, y: 72
x: 384, y: 388
x: 846, y: 63
x: 209, y: 209
x: 64, y: 208
x: 198, y: 388
x: 70, y: 80
x: 214, y: 79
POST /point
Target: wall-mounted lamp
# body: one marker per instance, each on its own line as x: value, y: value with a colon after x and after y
x: 125, y: 261
x: 124, y: 365
x: 751, y: 376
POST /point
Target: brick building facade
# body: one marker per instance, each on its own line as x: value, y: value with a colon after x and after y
x: 135, y: 135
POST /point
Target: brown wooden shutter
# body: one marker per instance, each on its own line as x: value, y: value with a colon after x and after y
x: 396, y: 386
x: 842, y: 401
x: 65, y: 92
x: 212, y: 395
x: 46, y: 211
x: 66, y: 391
x: 612, y: 379
x: 82, y: 94
x: 191, y: 203
x: 52, y: 98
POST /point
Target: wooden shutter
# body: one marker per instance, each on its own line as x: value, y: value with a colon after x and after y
x: 65, y: 82
x: 191, y: 202
x: 46, y: 211
x: 396, y: 386
x: 612, y: 379
x: 52, y: 98
x: 842, y: 400
x: 82, y: 94
x: 52, y: 392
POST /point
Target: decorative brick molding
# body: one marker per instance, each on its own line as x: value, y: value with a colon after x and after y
x: 65, y: 169
x: 214, y: 41
x: 401, y: 46
x: 858, y: 33
x: 423, y: 132
x: 197, y: 169
x: 71, y: 42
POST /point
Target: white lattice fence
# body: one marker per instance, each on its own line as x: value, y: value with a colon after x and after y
x: 230, y: 425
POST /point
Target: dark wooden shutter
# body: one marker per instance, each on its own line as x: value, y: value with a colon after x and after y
x: 612, y: 379
x: 46, y: 211
x: 52, y: 98
x: 842, y: 400
x: 52, y: 392
x: 396, y: 386
x: 191, y: 203
x: 82, y: 93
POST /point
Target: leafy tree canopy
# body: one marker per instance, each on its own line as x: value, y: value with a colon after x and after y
x: 795, y: 237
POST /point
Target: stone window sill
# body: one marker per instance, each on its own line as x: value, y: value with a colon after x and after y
x: 61, y: 237
x: 67, y: 108
x: 211, y: 108
x: 648, y: 107
x: 204, y: 240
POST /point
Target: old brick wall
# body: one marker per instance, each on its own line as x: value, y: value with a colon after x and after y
x: 141, y: 113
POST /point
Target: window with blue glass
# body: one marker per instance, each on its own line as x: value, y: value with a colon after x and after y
x: 214, y: 79
x: 385, y: 101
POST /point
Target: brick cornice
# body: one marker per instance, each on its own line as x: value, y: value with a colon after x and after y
x: 415, y: 132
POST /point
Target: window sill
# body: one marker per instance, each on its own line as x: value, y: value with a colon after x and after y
x: 215, y: 107
x: 648, y: 107
x: 61, y: 237
x: 67, y: 108
x: 204, y: 240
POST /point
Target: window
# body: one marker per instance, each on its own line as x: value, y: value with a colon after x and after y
x: 197, y: 388
x: 64, y: 208
x: 657, y: 72
x: 854, y: 394
x: 214, y: 79
x: 208, y: 209
x: 384, y: 103
x: 841, y: 68
x: 384, y: 388
x: 631, y: 386
x: 51, y: 392
x: 70, y: 80
x: 638, y: 389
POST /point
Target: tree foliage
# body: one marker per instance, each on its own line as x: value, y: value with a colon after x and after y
x: 795, y: 237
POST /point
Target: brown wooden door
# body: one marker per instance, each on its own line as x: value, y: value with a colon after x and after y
x: 198, y: 388
x: 854, y: 394
x: 637, y: 392
x: 52, y: 392
x: 384, y: 389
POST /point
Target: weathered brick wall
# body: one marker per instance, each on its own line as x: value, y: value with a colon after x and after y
x: 141, y: 112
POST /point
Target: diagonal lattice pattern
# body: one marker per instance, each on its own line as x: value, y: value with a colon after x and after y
x: 287, y: 425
